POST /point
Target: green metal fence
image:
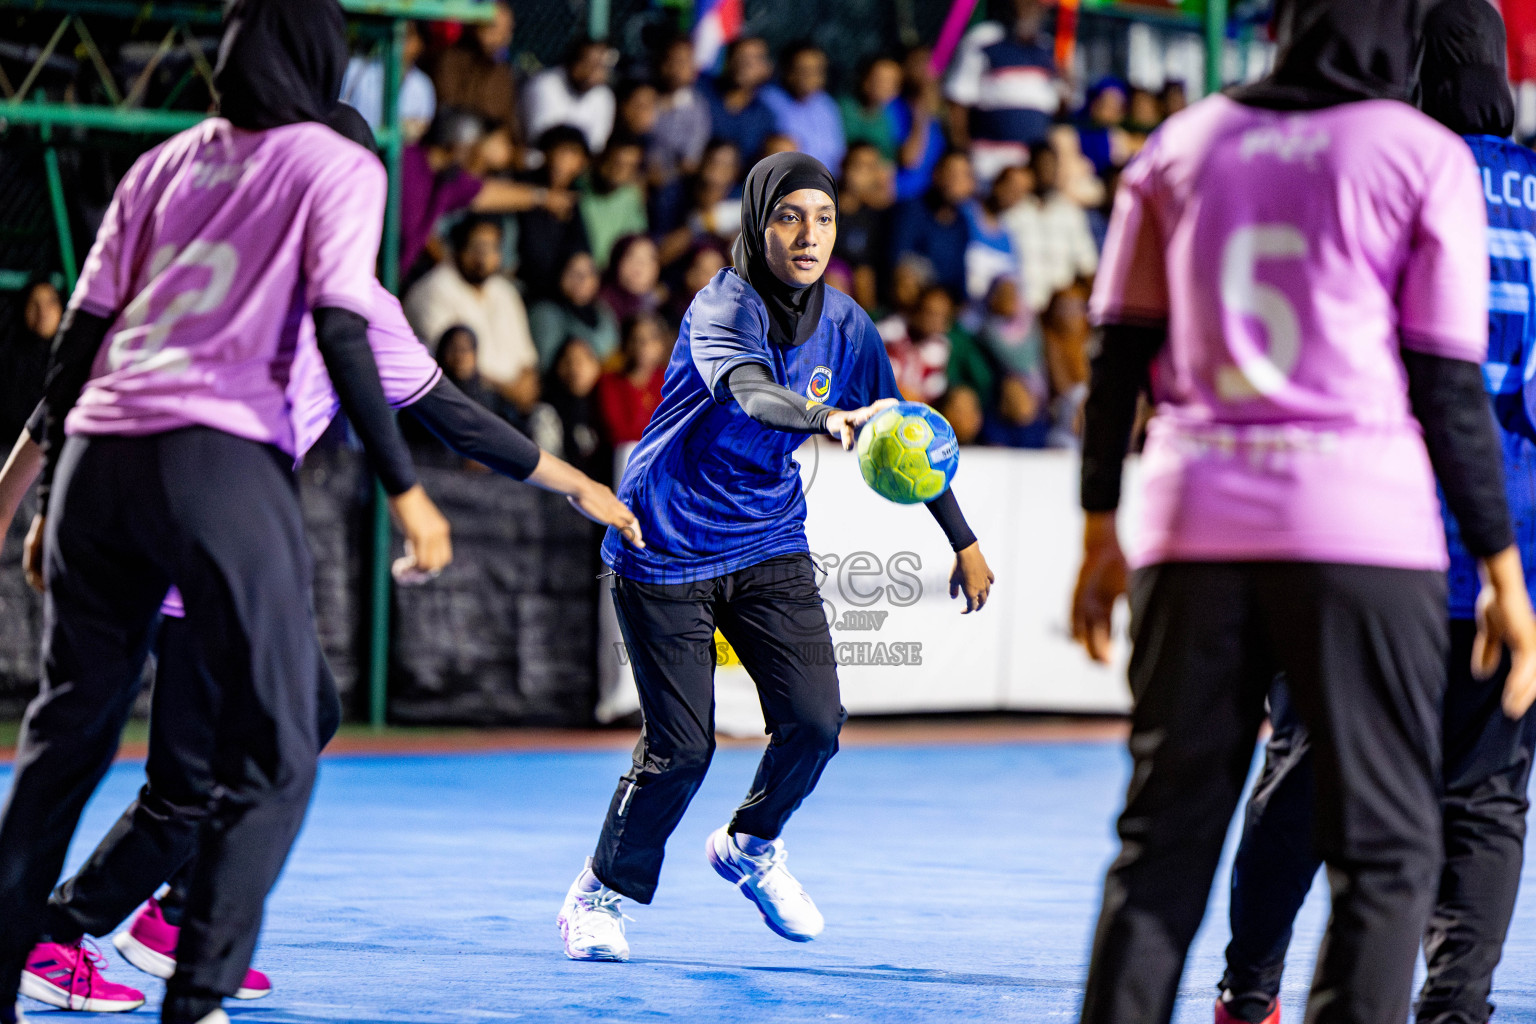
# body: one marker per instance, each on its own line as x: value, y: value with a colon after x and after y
x: 113, y: 104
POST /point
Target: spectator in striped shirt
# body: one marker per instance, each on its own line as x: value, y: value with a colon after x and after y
x: 1004, y: 90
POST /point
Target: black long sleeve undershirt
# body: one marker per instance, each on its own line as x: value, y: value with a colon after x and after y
x: 475, y: 432
x: 69, y: 367
x: 946, y: 512
x: 1448, y: 399
x: 342, y: 337
x: 464, y: 425
x: 774, y: 405
x: 1120, y: 373
x: 37, y: 424
x: 779, y: 408
x: 1446, y: 396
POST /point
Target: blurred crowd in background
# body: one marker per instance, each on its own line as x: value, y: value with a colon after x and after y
x: 557, y: 220
x: 556, y: 227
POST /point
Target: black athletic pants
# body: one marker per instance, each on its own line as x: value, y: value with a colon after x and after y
x: 219, y: 516
x: 155, y: 840
x: 1364, y: 649
x: 771, y: 613
x: 1487, y: 768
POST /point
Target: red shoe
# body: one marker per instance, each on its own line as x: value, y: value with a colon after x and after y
x: 149, y: 943
x: 69, y: 977
x: 1224, y: 1017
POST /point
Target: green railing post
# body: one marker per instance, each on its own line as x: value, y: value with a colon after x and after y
x: 384, y: 19
x: 60, y: 210
x: 1215, y: 43
x: 599, y: 13
x: 389, y: 274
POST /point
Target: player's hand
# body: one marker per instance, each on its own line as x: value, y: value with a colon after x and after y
x: 971, y: 576
x: 844, y: 424
x: 32, y: 552
x: 1505, y: 618
x: 601, y: 505
x: 1100, y: 583
x: 427, y: 547
x: 22, y: 468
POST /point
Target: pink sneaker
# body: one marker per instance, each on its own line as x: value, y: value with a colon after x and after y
x: 149, y: 943
x: 69, y: 977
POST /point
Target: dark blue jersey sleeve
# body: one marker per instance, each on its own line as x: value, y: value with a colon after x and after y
x: 728, y: 327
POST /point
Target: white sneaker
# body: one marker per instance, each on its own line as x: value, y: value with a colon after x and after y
x: 767, y: 882
x: 591, y: 923
x: 216, y: 1017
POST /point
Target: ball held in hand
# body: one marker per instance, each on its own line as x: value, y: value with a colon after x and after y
x: 908, y: 453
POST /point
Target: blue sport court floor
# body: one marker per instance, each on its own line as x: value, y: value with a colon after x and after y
x: 959, y: 882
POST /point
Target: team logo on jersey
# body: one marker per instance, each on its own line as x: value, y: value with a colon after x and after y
x: 821, y: 384
x: 1295, y: 142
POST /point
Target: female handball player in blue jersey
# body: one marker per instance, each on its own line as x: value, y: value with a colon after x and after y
x: 717, y: 493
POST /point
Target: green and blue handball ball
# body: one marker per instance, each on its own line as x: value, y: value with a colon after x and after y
x: 908, y: 453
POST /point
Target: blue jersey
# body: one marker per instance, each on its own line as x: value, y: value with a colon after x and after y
x: 1509, y: 190
x: 714, y: 490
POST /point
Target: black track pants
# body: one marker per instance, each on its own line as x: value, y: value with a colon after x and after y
x: 219, y: 517
x: 1364, y: 649
x: 155, y: 840
x: 772, y: 615
x: 1487, y: 769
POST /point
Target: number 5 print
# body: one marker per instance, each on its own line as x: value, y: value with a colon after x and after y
x: 1260, y: 373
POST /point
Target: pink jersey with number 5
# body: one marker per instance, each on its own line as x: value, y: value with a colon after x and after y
x: 1292, y: 256
x: 215, y: 246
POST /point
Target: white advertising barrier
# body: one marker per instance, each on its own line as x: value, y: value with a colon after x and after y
x: 901, y: 643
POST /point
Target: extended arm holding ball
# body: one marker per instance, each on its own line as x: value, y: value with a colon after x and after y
x: 774, y: 405
x: 777, y: 407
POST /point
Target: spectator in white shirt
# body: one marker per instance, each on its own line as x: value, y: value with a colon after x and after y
x: 469, y: 290
x: 576, y: 93
x: 1050, y: 233
x: 363, y: 88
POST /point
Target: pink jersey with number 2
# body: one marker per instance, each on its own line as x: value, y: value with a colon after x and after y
x: 215, y: 246
x: 1292, y: 256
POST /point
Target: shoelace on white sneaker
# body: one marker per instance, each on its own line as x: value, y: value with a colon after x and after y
x: 605, y: 902
x: 769, y: 872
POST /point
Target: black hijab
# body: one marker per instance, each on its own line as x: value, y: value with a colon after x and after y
x: 793, y: 313
x: 1339, y: 51
x: 345, y: 121
x: 1464, y: 80
x: 588, y: 313
x: 475, y: 387
x: 280, y: 62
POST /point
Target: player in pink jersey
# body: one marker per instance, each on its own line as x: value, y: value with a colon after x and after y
x: 169, y: 378
x: 1296, y: 272
x: 156, y: 836
x: 1486, y: 755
